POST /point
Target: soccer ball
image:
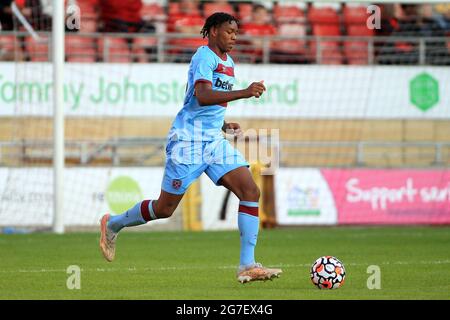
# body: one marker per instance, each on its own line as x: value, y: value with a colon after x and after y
x: 327, y: 272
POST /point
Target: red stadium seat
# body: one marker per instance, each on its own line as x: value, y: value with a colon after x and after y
x: 286, y: 14
x: 7, y: 43
x: 88, y: 9
x: 323, y: 15
x: 253, y: 48
x: 293, y: 46
x: 112, y: 49
x: 190, y: 25
x: 187, y: 44
x: 359, y: 30
x: 245, y: 12
x: 332, y: 56
x: 179, y: 20
x: 84, y: 58
x: 178, y: 11
x: 153, y: 12
x: 141, y: 48
x: 37, y: 50
x: 210, y: 8
x: 356, y: 52
x: 354, y: 15
x: 173, y: 8
x: 292, y: 50
x: 189, y: 21
x: 329, y: 52
x: 10, y: 48
x: 258, y: 30
x: 326, y: 30
x: 145, y: 42
x: 88, y: 25
x: 80, y: 49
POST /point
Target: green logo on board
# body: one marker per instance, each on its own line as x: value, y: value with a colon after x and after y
x: 424, y: 91
x: 123, y: 193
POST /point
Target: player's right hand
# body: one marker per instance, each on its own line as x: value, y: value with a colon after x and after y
x: 256, y: 89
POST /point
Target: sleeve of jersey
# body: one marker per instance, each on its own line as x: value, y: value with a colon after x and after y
x: 204, y: 69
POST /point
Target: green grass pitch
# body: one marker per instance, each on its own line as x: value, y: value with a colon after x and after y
x: 414, y: 264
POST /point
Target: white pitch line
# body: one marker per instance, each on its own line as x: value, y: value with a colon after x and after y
x: 180, y: 268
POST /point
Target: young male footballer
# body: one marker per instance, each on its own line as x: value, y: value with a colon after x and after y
x: 196, y: 144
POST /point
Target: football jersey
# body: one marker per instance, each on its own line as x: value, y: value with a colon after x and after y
x: 203, y: 123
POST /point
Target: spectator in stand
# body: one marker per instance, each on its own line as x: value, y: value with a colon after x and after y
x: 259, y: 25
x: 10, y: 45
x: 218, y: 6
x: 415, y: 22
x: 37, y: 13
x: 436, y: 50
x: 187, y: 19
x: 442, y: 15
x: 429, y: 24
x: 10, y: 49
x: 408, y: 19
x: 385, y: 50
x: 388, y: 21
x: 121, y: 16
x: 6, y: 18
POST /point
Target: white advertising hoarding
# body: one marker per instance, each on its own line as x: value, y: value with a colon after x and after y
x: 219, y: 211
x: 303, y: 198
x: 26, y: 194
x: 297, y: 91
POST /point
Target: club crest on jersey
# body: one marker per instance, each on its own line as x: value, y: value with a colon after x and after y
x: 176, y: 184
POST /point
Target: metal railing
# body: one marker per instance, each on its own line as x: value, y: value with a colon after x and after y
x: 166, y: 47
x: 151, y: 152
x: 368, y: 153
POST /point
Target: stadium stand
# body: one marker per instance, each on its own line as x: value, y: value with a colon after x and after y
x: 144, y: 49
x: 121, y: 16
x: 114, y: 49
x: 290, y: 50
x: 6, y: 17
x: 10, y: 49
x: 38, y: 51
x: 218, y: 6
x: 244, y: 12
x: 285, y: 33
x: 354, y: 19
x: 260, y: 25
x: 80, y: 49
x: 294, y: 34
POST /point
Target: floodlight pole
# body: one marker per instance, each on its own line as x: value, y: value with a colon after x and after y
x: 58, y: 115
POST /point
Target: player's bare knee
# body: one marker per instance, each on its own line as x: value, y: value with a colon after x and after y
x: 251, y: 193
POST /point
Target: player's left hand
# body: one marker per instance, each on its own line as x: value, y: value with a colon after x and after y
x: 233, y: 128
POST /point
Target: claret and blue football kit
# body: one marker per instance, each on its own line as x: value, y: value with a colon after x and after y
x: 195, y: 142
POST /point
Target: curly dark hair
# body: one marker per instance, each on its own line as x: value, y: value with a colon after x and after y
x: 216, y: 19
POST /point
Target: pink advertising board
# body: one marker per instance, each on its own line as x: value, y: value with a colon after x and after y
x: 365, y: 196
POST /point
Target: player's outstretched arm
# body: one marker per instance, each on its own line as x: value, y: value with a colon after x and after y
x: 206, y: 96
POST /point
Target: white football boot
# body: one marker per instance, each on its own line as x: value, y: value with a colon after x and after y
x: 107, y: 239
x: 257, y: 272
